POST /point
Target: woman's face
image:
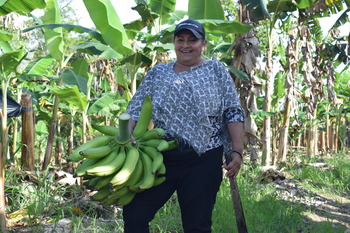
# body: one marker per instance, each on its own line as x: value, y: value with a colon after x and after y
x: 188, y: 48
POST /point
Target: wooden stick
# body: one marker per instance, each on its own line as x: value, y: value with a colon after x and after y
x: 237, y: 204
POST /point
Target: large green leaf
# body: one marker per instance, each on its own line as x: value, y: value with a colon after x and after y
x: 6, y: 47
x: 81, y: 67
x: 163, y: 8
x: 53, y: 37
x: 259, y: 9
x: 137, y: 59
x: 101, y: 50
x: 104, y: 102
x: 40, y: 66
x: 20, y: 6
x: 10, y: 61
x: 72, y: 95
x: 240, y: 74
x: 69, y: 77
x: 5, y: 36
x: 224, y: 27
x: 279, y: 6
x: 107, y: 21
x: 70, y: 28
x: 205, y: 9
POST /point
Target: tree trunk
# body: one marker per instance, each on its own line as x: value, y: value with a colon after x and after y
x: 28, y: 131
x: 50, y: 140
x: 3, y: 153
x: 330, y: 138
x: 13, y: 147
x: 266, y: 152
x: 283, y: 143
x: 322, y: 141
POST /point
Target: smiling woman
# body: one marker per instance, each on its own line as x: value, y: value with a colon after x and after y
x: 196, y: 103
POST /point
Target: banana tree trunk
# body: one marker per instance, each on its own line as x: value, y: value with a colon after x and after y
x: 28, y: 129
x: 292, y: 69
x: 50, y: 140
x: 14, y: 137
x: 283, y: 143
x: 3, y: 154
x: 266, y: 152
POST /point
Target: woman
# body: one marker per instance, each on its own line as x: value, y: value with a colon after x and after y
x: 195, y: 102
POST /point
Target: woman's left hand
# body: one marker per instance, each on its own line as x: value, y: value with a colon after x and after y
x: 234, y: 166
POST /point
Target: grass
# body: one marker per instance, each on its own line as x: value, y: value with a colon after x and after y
x: 264, y: 209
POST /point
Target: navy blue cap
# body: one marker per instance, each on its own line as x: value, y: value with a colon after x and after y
x: 195, y: 27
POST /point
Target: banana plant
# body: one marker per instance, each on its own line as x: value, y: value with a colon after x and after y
x: 9, y: 63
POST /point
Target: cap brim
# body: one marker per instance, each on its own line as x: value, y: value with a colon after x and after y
x: 194, y: 32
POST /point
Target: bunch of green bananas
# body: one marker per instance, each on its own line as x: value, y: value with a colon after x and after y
x: 117, y: 167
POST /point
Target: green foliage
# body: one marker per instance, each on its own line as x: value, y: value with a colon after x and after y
x: 205, y: 9
x: 108, y: 23
x: 20, y: 6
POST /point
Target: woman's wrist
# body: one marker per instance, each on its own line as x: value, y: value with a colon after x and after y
x: 236, y: 152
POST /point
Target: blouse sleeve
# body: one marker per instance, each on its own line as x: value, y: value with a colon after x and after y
x: 233, y: 111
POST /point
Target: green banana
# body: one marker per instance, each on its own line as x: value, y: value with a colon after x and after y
x: 91, y: 183
x: 163, y: 145
x: 159, y: 144
x: 85, y: 164
x: 109, y: 200
x: 95, y: 142
x: 132, y: 156
x: 97, y: 152
x: 118, y: 193
x: 109, y: 164
x: 125, y: 199
x: 101, y: 194
x: 161, y: 170
x: 155, y: 155
x: 159, y: 180
x: 145, y: 118
x: 155, y: 133
x: 148, y: 177
x: 106, y: 129
x: 152, y: 142
x: 172, y: 144
x: 134, y: 177
x: 102, y: 183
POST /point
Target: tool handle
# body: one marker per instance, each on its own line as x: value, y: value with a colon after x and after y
x: 236, y: 199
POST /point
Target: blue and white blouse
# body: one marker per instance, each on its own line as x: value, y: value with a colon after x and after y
x: 193, y: 106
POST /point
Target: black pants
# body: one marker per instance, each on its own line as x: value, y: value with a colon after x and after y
x: 196, y: 179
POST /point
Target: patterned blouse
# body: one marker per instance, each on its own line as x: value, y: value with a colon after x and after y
x: 193, y: 106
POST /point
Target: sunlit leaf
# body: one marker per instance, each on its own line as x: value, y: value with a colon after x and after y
x: 107, y: 21
x: 20, y: 6
x: 39, y: 67
x: 94, y: 48
x: 53, y: 37
x: 5, y: 36
x: 10, y: 61
x: 104, y: 102
x: 205, y: 9
x: 70, y: 28
x: 163, y: 8
x: 72, y: 96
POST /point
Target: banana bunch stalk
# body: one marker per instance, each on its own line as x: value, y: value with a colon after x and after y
x: 118, y: 168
